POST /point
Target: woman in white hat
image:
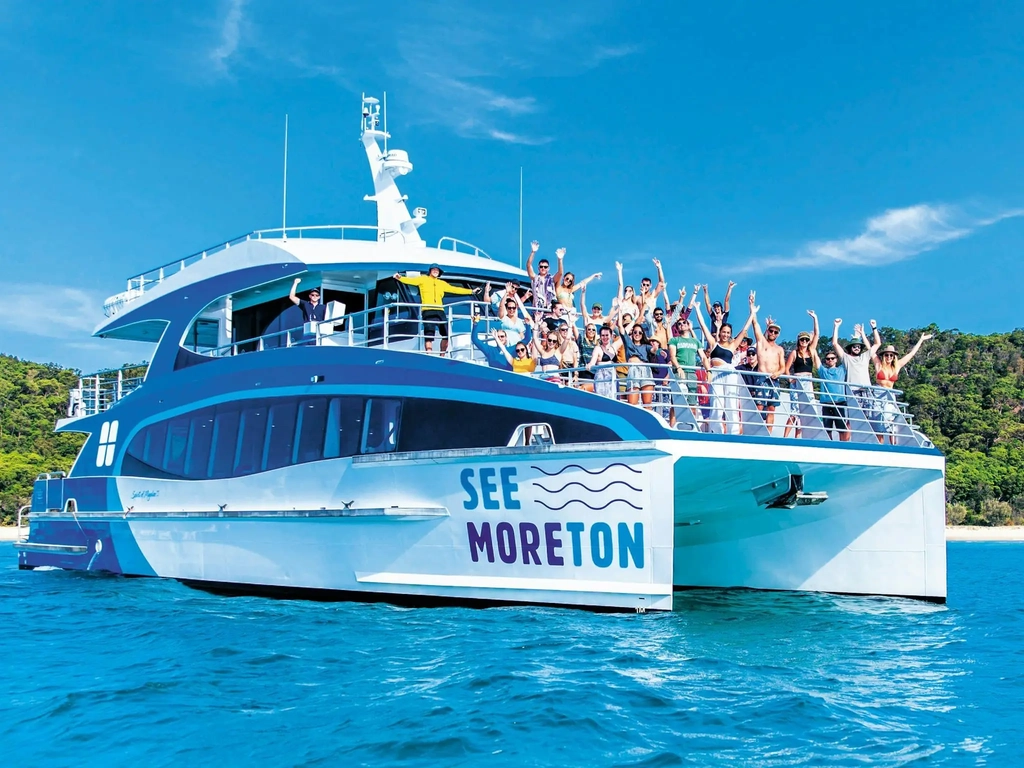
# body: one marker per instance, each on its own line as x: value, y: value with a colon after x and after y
x: 887, y: 373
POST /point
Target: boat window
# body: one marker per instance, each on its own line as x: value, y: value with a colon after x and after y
x: 430, y: 425
x: 312, y: 421
x: 177, y: 442
x: 225, y: 438
x: 200, y: 439
x: 277, y: 449
x: 382, y: 422
x: 249, y: 452
x: 344, y: 426
x: 153, y: 448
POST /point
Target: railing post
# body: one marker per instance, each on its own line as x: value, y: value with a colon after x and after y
x: 161, y: 278
x: 287, y: 339
x: 96, y: 394
x: 259, y: 344
x: 387, y: 316
x: 120, y: 382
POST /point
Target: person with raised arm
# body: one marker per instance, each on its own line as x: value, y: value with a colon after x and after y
x: 637, y: 352
x: 800, y: 367
x: 856, y: 356
x: 683, y: 349
x: 647, y: 299
x: 725, y: 381
x: 433, y: 314
x: 603, y: 358
x: 596, y: 316
x: 771, y: 361
x: 312, y: 311
x: 495, y: 349
x: 887, y: 373
x: 568, y: 286
x: 833, y: 375
x: 718, y: 313
x: 542, y: 281
x: 508, y: 314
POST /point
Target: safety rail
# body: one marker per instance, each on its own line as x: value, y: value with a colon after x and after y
x: 139, y: 284
x: 99, y: 391
x: 718, y: 401
x: 456, y: 244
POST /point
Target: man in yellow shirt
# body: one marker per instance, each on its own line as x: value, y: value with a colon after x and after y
x: 432, y: 312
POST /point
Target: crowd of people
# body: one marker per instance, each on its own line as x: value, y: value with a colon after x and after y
x: 650, y: 354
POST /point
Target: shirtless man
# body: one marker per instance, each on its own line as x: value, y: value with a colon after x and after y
x: 647, y: 298
x: 771, y: 361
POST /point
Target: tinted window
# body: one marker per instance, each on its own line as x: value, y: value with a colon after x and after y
x: 344, y: 429
x: 312, y: 422
x: 249, y: 453
x: 177, y: 442
x: 153, y: 450
x: 382, y: 421
x: 225, y: 440
x: 200, y: 440
x: 429, y: 425
x: 277, y: 450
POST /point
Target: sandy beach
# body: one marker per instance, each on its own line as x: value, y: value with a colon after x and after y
x: 984, y: 533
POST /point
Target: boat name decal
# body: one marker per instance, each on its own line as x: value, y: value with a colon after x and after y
x: 145, y: 494
x: 510, y: 542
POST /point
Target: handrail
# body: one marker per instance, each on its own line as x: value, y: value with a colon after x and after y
x: 718, y: 401
x: 137, y: 285
x: 99, y: 391
x: 22, y: 512
x: 455, y: 247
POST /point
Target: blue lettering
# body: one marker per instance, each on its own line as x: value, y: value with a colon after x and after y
x: 529, y: 536
x: 575, y: 529
x: 554, y: 543
x: 467, y: 484
x: 506, y: 536
x: 508, y: 487
x: 488, y: 488
x: 601, y: 544
x: 480, y: 541
x: 633, y: 545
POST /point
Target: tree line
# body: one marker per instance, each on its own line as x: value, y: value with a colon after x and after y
x: 965, y: 390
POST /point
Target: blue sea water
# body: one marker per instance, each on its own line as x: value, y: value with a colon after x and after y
x: 102, y: 670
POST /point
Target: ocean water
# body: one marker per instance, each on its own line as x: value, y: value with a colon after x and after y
x: 107, y: 671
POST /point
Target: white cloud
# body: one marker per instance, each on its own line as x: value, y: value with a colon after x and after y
x: 55, y: 323
x: 230, y: 37
x: 895, y: 235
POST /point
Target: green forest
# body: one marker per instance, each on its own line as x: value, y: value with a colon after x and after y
x: 966, y: 392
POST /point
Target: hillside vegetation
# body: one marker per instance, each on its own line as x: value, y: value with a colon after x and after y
x: 966, y: 391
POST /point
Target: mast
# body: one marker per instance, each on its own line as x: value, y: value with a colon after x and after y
x: 393, y: 220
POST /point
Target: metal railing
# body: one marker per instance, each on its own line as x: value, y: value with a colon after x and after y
x: 717, y: 401
x: 457, y: 245
x: 99, y: 391
x: 139, y: 284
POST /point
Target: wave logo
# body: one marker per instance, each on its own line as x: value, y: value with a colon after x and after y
x: 595, y: 498
x: 108, y: 441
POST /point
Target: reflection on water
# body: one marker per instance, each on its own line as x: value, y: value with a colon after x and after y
x: 149, y: 671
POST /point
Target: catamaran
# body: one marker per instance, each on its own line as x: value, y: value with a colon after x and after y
x: 258, y: 453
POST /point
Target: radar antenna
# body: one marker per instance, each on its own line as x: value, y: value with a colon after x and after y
x: 393, y: 220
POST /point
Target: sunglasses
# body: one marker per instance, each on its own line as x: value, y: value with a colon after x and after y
x: 830, y: 359
x: 520, y: 349
x: 543, y: 266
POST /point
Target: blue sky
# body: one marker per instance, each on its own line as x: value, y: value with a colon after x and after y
x: 864, y: 160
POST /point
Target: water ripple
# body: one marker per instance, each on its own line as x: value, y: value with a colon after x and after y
x: 103, y: 669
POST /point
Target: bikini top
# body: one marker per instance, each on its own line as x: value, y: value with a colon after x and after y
x: 553, y: 360
x: 608, y: 354
x: 721, y: 353
x: 803, y: 365
x: 883, y: 376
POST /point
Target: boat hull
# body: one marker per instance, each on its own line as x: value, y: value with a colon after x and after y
x: 614, y: 526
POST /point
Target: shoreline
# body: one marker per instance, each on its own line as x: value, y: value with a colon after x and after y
x: 953, y: 533
x: 985, y: 533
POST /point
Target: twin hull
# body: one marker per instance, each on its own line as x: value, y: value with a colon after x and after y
x: 613, y: 525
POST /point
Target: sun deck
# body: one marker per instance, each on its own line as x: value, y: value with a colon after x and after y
x: 876, y: 416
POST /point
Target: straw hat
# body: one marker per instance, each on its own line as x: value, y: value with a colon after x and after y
x: 889, y: 348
